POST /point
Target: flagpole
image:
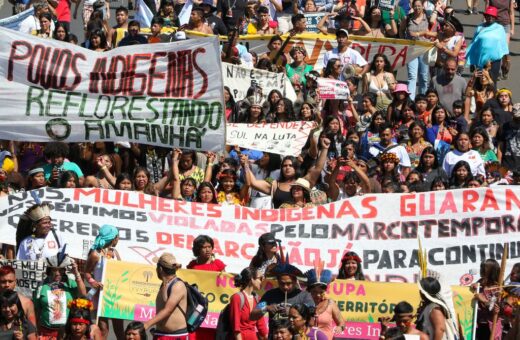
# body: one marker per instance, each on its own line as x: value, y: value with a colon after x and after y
x: 500, y: 286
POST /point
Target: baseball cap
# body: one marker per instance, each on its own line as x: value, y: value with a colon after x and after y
x: 267, y: 238
x: 167, y: 260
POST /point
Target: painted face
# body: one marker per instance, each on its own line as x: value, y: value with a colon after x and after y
x: 404, y: 322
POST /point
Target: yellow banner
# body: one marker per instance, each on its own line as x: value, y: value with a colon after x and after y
x: 130, y: 290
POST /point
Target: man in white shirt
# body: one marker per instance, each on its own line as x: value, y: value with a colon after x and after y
x: 345, y: 54
x: 387, y: 145
x: 32, y: 23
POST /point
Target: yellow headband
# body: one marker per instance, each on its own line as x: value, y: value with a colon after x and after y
x: 506, y: 91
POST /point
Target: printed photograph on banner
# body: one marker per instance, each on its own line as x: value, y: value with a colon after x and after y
x: 332, y: 89
x: 458, y: 229
x: 169, y: 96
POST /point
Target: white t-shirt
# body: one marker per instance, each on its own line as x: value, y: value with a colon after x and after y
x: 349, y: 57
x: 472, y: 157
x: 35, y: 249
x: 30, y: 24
x: 272, y: 9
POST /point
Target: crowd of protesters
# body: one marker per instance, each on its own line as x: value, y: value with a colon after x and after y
x: 61, y: 308
x: 433, y: 131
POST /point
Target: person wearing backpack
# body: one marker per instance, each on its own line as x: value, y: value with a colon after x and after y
x: 241, y: 305
x: 171, y: 301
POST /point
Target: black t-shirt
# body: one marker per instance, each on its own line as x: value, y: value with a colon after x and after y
x: 217, y: 25
x: 276, y: 296
x: 137, y: 40
x: 509, y: 136
x: 238, y: 10
x: 501, y: 116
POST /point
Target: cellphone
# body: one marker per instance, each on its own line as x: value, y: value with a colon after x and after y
x: 344, y: 153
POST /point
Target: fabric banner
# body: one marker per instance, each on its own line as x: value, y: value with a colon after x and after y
x: 130, y: 290
x: 285, y: 139
x: 313, y: 19
x: 162, y: 96
x: 332, y: 89
x: 239, y: 79
x: 29, y: 274
x: 458, y: 228
x: 399, y: 51
x: 14, y: 22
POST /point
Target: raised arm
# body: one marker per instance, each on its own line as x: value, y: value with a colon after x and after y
x: 315, y: 172
x: 176, y: 188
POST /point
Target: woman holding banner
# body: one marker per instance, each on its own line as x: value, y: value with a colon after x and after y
x: 102, y: 250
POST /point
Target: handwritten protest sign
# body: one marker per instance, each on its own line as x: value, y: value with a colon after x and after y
x: 281, y: 138
x: 29, y: 274
x: 459, y: 228
x: 130, y: 290
x: 240, y: 78
x: 332, y: 89
x: 169, y: 95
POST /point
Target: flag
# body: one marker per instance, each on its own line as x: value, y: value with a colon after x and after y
x: 143, y: 14
x: 184, y: 15
x: 13, y: 22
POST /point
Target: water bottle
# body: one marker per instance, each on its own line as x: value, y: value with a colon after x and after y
x: 195, y: 315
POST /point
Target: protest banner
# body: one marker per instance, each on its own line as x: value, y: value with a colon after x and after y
x: 459, y: 228
x: 130, y: 290
x: 332, y: 89
x: 285, y: 139
x: 313, y: 19
x: 163, y: 96
x: 240, y: 78
x: 13, y: 22
x: 29, y: 274
x: 398, y: 51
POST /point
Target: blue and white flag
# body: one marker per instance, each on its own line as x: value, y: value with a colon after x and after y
x: 143, y: 14
x: 13, y: 22
x: 184, y: 15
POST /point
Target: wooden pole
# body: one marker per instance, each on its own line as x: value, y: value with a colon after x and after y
x: 500, y: 285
